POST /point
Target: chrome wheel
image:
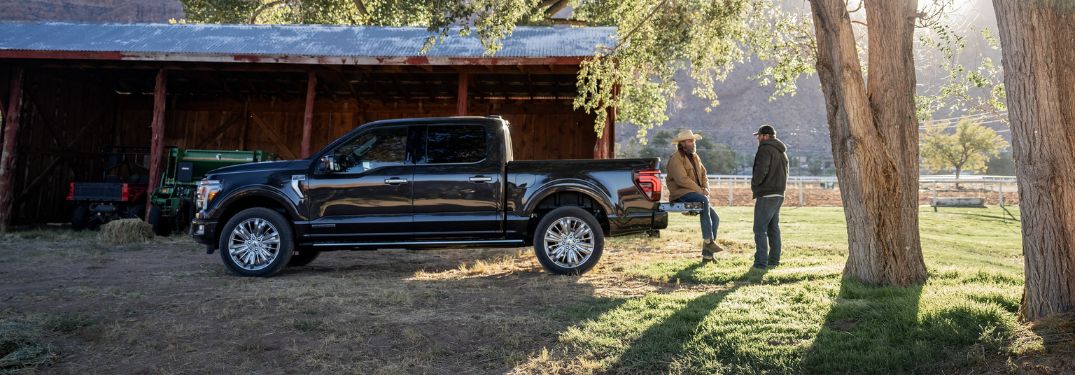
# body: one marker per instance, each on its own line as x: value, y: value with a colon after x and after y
x: 569, y: 242
x: 254, y: 244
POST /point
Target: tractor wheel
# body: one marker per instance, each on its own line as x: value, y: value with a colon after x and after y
x: 161, y: 226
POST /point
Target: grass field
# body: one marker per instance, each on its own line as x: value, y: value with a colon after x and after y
x: 72, y: 305
x: 802, y: 317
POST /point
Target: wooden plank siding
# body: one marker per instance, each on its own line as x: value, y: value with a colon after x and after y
x: 72, y: 116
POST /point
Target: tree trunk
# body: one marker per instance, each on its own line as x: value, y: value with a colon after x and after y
x: 874, y: 136
x: 1039, y: 75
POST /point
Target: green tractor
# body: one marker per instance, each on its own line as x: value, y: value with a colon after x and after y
x: 173, y: 200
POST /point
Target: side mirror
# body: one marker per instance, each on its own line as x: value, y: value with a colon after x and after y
x: 329, y: 164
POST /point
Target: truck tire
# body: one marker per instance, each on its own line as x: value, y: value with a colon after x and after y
x: 303, y: 257
x: 161, y: 226
x: 256, y: 242
x: 80, y: 217
x: 568, y: 241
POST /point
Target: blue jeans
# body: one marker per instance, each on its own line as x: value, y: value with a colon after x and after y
x: 767, y: 231
x: 710, y: 220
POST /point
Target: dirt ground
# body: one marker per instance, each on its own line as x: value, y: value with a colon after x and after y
x: 167, y: 307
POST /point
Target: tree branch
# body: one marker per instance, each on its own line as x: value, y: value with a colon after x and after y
x: 639, y: 25
x: 555, y: 7
x: 361, y: 8
x: 263, y: 8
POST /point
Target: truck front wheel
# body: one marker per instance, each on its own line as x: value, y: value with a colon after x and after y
x: 256, y: 242
x: 568, y: 241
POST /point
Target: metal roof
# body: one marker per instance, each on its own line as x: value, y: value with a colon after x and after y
x: 318, y: 44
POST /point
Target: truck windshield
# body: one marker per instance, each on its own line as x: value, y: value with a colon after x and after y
x: 373, y: 149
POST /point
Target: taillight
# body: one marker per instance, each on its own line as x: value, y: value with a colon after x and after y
x: 71, y: 192
x: 126, y: 194
x: 649, y: 183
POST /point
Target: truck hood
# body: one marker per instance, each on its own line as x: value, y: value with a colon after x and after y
x: 265, y: 166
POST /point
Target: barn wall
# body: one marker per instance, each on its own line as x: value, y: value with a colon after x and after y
x: 70, y: 117
x: 540, y: 129
x: 67, y: 119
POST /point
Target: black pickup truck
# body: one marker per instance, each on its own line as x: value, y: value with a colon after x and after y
x: 424, y: 183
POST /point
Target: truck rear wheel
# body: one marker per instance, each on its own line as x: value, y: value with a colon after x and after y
x: 568, y: 241
x: 256, y: 242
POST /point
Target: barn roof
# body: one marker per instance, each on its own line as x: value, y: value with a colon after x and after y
x: 317, y: 44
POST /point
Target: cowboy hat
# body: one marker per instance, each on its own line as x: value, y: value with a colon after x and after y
x: 686, y: 134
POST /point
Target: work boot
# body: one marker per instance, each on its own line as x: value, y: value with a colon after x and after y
x: 707, y: 252
x: 712, y: 247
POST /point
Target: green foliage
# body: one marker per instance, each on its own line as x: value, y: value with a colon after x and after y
x: 967, y: 149
x: 974, y: 89
x: 659, y: 38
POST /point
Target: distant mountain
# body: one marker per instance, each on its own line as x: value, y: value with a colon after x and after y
x: 124, y: 11
x: 744, y: 106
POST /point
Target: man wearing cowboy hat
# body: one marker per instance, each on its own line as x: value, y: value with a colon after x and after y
x: 688, y: 182
x: 768, y: 183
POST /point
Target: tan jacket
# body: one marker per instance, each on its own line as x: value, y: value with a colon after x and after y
x: 681, y: 179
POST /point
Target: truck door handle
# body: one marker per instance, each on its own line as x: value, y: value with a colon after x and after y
x: 480, y: 179
x: 394, y: 181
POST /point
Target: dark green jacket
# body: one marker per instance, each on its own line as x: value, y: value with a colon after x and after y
x: 770, y: 169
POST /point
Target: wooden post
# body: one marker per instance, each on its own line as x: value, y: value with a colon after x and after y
x: 801, y: 200
x: 156, y: 145
x: 7, y: 158
x: 731, y: 191
x: 605, y: 147
x: 461, y: 99
x: 308, y: 117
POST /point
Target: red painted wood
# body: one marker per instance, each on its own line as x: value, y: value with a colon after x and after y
x: 308, y: 116
x: 461, y: 99
x: 7, y: 158
x: 156, y: 146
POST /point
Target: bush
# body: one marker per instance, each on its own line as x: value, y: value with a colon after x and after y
x: 125, y: 231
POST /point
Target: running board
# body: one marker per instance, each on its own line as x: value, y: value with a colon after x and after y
x: 419, y: 243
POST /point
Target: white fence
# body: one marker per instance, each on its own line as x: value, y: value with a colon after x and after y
x: 824, y: 190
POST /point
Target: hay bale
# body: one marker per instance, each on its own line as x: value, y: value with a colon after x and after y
x: 125, y: 231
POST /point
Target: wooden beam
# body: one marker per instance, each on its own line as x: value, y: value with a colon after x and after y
x: 605, y: 147
x: 7, y: 158
x: 156, y: 145
x: 461, y: 98
x: 308, y: 116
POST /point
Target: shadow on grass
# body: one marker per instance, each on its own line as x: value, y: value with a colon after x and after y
x: 872, y: 329
x: 654, y: 350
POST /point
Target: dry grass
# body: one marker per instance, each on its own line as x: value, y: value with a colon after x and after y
x: 125, y: 231
x: 649, y: 307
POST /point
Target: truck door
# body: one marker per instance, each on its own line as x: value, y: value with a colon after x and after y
x: 369, y: 196
x: 458, y: 183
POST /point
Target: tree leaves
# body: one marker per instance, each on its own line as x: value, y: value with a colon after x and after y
x: 969, y: 148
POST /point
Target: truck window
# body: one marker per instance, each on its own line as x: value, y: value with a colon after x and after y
x: 373, y: 149
x: 455, y: 144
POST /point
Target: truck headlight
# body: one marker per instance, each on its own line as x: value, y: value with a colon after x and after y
x: 207, y: 190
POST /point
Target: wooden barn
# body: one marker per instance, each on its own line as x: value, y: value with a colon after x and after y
x: 72, y: 93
